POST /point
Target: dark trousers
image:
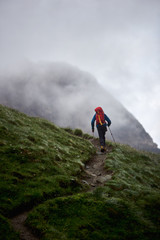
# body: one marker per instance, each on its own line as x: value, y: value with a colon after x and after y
x: 101, y: 132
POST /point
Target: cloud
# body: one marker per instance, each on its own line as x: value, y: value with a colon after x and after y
x: 117, y: 41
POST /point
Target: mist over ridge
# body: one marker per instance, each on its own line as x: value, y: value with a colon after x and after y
x: 68, y: 96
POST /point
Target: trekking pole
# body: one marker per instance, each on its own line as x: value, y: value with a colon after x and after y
x: 112, y: 135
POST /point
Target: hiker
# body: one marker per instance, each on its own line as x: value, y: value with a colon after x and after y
x: 101, y: 119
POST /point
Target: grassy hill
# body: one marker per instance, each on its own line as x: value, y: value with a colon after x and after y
x: 40, y: 169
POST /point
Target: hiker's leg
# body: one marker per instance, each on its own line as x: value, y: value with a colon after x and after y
x: 104, y: 132
x: 104, y: 143
x: 101, y: 134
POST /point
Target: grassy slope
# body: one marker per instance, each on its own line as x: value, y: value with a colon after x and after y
x: 128, y: 207
x: 40, y: 161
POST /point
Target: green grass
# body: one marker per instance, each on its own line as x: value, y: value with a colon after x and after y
x: 40, y: 167
x: 38, y: 161
x: 136, y: 180
x: 6, y: 231
x: 127, y: 207
x: 83, y: 216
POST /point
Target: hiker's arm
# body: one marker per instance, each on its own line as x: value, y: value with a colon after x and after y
x: 92, y: 122
x: 107, y: 119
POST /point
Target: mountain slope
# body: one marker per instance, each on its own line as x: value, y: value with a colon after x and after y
x: 37, y: 159
x: 67, y: 96
x: 42, y: 165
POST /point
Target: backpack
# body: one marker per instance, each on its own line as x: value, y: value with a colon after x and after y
x: 99, y: 116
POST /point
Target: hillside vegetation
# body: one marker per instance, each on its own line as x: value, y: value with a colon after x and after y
x: 40, y: 169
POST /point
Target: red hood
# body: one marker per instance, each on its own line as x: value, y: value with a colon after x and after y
x: 98, y: 110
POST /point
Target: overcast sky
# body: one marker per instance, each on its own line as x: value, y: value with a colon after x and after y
x: 118, y: 41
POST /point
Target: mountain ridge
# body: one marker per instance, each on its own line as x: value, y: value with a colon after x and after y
x: 68, y: 96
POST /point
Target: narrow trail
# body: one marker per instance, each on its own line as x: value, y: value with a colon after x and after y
x: 94, y: 175
x: 18, y: 224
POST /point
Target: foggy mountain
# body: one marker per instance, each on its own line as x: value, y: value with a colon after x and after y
x: 68, y: 96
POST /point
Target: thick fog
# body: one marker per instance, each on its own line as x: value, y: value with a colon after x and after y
x: 116, y: 41
x: 68, y: 96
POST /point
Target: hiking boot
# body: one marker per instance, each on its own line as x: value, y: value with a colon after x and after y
x: 102, y: 149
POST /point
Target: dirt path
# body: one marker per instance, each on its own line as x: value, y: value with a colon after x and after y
x: 94, y: 175
x: 18, y: 223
